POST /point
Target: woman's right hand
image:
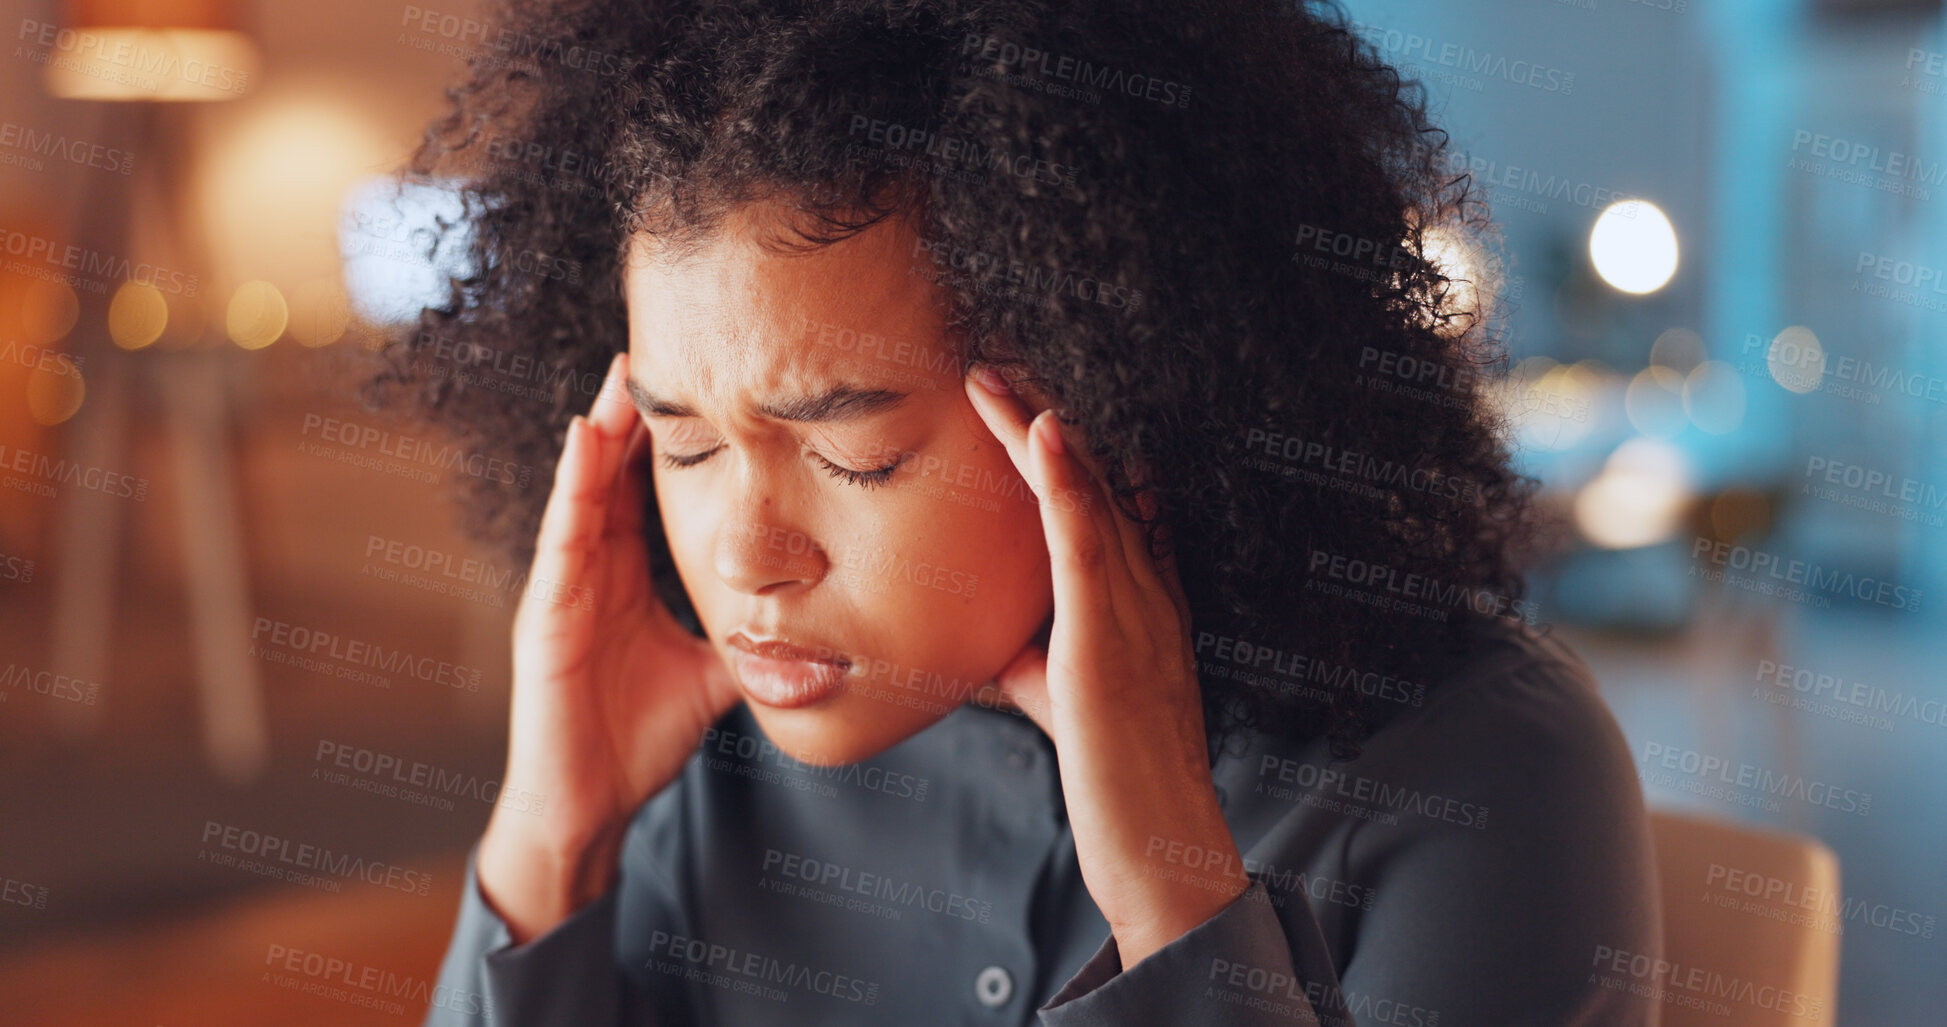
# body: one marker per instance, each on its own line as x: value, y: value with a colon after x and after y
x: 610, y: 694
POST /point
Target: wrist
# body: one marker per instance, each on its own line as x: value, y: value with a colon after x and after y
x: 1167, y: 882
x: 1167, y: 913
x: 534, y: 881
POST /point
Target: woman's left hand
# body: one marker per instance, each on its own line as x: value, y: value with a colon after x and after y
x: 1117, y: 692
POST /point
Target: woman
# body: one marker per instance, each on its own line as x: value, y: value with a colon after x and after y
x: 1036, y: 553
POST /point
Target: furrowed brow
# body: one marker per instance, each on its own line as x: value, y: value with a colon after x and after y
x: 839, y: 403
x: 651, y: 405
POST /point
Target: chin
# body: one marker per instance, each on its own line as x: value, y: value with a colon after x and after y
x: 847, y: 728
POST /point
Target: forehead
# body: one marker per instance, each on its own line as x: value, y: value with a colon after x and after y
x: 742, y: 318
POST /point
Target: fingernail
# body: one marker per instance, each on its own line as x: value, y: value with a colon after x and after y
x: 992, y: 381
x: 1051, y: 434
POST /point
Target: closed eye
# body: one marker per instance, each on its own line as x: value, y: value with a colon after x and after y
x: 672, y: 460
x: 864, y: 479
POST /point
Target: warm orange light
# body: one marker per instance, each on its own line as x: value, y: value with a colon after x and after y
x: 257, y: 315
x: 47, y: 310
x: 143, y: 50
x: 320, y: 312
x: 55, y: 394
x: 137, y: 315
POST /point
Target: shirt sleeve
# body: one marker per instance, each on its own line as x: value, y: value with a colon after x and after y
x: 1183, y: 982
x: 565, y: 977
x: 1509, y: 914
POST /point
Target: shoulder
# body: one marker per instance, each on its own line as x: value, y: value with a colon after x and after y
x: 1557, y: 850
x: 1510, y: 787
x: 1501, y: 836
x: 1525, y: 678
x: 1517, y: 724
x: 1511, y: 758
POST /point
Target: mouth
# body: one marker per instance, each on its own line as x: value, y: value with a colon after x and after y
x: 784, y: 675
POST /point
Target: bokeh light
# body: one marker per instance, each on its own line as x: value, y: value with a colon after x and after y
x: 54, y: 395
x: 1713, y: 397
x: 257, y: 315
x: 48, y: 311
x: 1654, y: 401
x: 386, y: 230
x: 1634, y: 246
x: 137, y: 316
x: 178, y: 64
x: 1550, y: 405
x: 1640, y: 497
x: 1796, y: 359
x: 1459, y: 259
x: 320, y: 312
x: 1679, y: 349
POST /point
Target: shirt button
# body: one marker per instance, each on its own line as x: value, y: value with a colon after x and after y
x: 1018, y: 757
x: 993, y: 987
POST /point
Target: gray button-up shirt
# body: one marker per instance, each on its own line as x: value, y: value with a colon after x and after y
x: 1485, y: 861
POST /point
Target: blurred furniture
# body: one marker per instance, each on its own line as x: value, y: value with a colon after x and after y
x: 1744, y: 906
x: 198, y: 51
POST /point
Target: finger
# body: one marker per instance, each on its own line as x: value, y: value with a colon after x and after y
x: 571, y: 521
x: 614, y: 420
x: 626, y: 499
x: 1129, y: 535
x: 1155, y: 575
x: 613, y: 410
x: 997, y: 400
x: 1173, y: 584
x: 1086, y: 554
x: 1007, y: 416
x: 1001, y: 411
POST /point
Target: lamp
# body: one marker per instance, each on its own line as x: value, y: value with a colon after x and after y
x: 145, y: 50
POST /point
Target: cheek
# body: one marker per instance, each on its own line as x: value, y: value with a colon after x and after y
x: 970, y: 587
x: 986, y: 527
x: 687, y: 529
x: 948, y: 575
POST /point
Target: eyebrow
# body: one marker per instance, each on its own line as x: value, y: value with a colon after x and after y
x: 842, y: 402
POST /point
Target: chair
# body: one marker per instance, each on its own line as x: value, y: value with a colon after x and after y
x: 1751, y: 924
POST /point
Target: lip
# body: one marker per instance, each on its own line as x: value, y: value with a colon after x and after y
x: 783, y: 674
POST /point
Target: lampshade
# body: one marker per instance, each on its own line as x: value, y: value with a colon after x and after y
x: 145, y: 50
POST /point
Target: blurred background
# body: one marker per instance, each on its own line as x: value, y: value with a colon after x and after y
x: 235, y: 613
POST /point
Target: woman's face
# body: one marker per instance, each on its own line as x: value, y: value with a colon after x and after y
x: 788, y: 383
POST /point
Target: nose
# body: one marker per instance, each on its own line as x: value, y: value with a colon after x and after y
x: 760, y: 550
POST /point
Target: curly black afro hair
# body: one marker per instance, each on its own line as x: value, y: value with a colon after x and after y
x: 1217, y: 232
